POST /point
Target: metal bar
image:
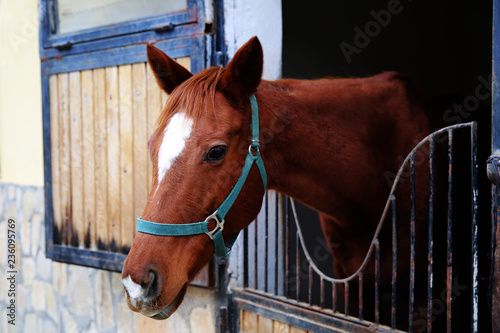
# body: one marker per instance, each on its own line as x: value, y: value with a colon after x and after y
x: 334, y: 297
x: 346, y: 298
x: 272, y: 241
x: 360, y: 281
x: 261, y: 248
x: 310, y: 284
x: 278, y: 245
x: 475, y: 263
x: 299, y: 316
x: 297, y: 266
x: 449, y: 253
x: 412, y: 247
x: 266, y: 237
x: 377, y: 281
x: 287, y: 247
x: 322, y: 292
x: 252, y: 258
x: 394, y: 263
x: 430, y: 244
x: 256, y: 254
x: 245, y: 257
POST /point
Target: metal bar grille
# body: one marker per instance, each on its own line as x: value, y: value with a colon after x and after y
x: 306, y: 286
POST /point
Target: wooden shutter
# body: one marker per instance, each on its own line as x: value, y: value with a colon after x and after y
x: 100, y: 122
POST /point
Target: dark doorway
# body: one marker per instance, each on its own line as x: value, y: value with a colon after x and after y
x: 443, y: 46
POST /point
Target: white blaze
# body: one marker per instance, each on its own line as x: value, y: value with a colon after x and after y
x: 175, y: 135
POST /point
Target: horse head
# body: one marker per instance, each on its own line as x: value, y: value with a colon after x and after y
x: 197, y: 152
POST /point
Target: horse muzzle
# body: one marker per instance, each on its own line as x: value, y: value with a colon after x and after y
x: 147, y: 298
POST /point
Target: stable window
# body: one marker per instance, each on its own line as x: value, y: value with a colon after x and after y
x: 73, y: 15
x: 100, y: 104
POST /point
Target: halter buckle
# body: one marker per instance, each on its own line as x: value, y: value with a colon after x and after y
x: 219, y: 226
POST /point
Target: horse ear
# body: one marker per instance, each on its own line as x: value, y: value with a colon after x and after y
x: 169, y: 74
x: 244, y: 72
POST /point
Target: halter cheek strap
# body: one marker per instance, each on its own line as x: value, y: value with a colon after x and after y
x: 221, y: 248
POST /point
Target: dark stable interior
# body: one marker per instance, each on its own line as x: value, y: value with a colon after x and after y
x: 445, y: 48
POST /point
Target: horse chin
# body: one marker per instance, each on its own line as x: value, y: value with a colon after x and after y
x: 170, y: 309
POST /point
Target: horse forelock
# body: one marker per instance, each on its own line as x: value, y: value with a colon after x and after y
x: 191, y: 96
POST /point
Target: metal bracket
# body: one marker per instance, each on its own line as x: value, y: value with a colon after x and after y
x: 66, y: 45
x: 493, y: 168
x: 164, y: 27
x: 219, y: 226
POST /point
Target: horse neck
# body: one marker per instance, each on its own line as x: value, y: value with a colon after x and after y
x: 308, y: 153
x: 291, y: 142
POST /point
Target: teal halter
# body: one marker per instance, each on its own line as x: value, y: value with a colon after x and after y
x: 222, y: 249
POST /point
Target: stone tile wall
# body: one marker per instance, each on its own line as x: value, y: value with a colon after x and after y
x: 58, y: 297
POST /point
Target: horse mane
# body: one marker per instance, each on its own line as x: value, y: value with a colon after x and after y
x: 192, y: 95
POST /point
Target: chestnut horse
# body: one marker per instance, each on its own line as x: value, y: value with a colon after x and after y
x: 326, y: 143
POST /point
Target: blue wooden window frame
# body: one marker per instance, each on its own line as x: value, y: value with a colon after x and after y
x: 49, y: 39
x: 180, y: 34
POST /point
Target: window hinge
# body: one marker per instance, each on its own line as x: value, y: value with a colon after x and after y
x: 166, y: 27
x: 223, y: 319
x: 63, y: 45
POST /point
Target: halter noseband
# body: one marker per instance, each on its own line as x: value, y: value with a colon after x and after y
x: 221, y: 248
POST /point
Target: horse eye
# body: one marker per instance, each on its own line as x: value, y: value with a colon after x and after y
x: 215, y: 154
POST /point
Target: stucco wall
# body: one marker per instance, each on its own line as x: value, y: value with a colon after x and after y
x: 261, y: 18
x: 21, y: 148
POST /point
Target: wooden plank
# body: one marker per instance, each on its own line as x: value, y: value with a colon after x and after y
x: 55, y: 140
x: 141, y: 156
x: 184, y: 62
x: 75, y: 108
x: 65, y: 157
x: 249, y: 322
x: 155, y: 107
x: 126, y: 155
x: 297, y: 330
x: 89, y: 193
x: 279, y: 327
x: 113, y: 145
x: 265, y: 325
x: 101, y: 160
x: 164, y: 99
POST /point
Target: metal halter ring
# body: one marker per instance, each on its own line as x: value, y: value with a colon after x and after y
x: 253, y: 148
x: 219, y: 226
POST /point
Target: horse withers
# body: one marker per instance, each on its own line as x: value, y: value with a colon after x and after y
x: 326, y: 143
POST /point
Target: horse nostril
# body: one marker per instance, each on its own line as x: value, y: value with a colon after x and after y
x: 151, y: 285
